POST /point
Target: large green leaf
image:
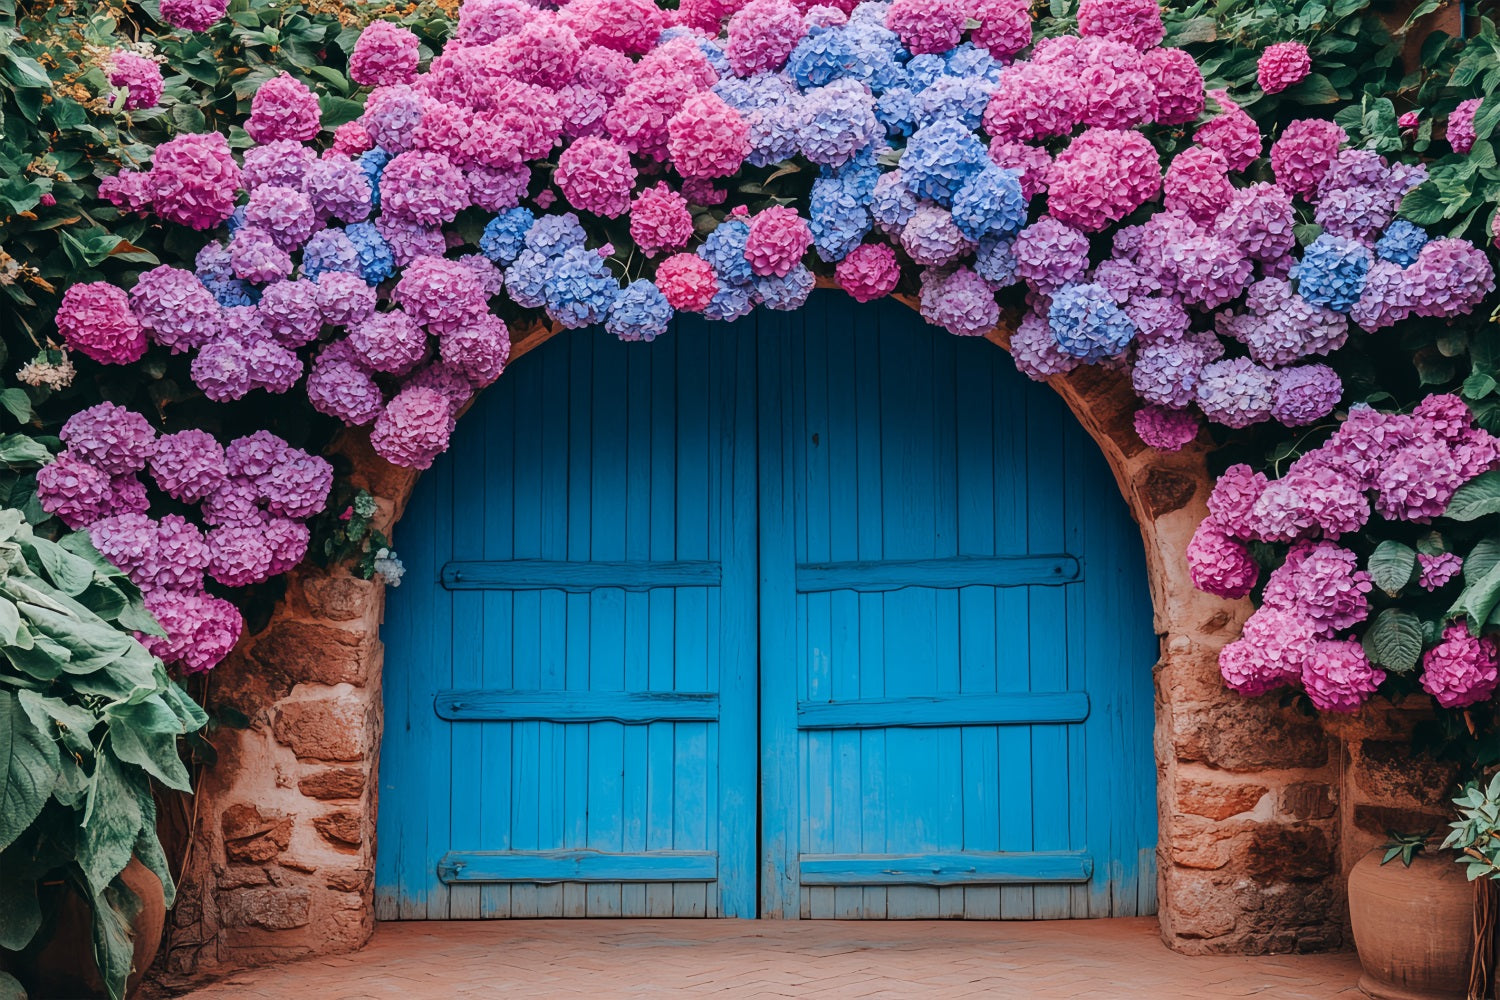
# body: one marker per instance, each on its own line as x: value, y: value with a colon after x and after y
x: 28, y: 769
x: 148, y: 848
x: 69, y: 573
x: 1478, y: 599
x: 112, y: 821
x: 1391, y: 566
x: 115, y: 909
x: 146, y: 735
x: 1394, y: 640
x: 72, y: 723
x: 20, y: 914
x: 1481, y: 558
x: 1476, y: 498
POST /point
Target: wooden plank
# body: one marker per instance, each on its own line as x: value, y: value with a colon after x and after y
x: 577, y: 866
x: 964, y: 868
x: 629, y: 707
x: 928, y: 711
x: 950, y: 573
x: 663, y: 605
x: 579, y: 576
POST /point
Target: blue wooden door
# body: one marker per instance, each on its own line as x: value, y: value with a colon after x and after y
x: 824, y: 614
x: 956, y: 637
x: 570, y: 679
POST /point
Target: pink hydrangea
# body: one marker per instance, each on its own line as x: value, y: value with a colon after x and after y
x: 1273, y: 649
x: 128, y: 541
x: 777, y: 240
x: 687, y: 281
x: 141, y: 77
x: 1282, y: 65
x: 189, y: 465
x: 660, y: 220
x: 1306, y: 394
x: 351, y: 139
x: 391, y: 117
x: 1233, y: 133
x: 868, y: 272
x: 76, y: 491
x: 201, y: 629
x: 477, y: 349
x: 1198, y: 183
x: 1450, y: 278
x: 95, y: 319
x: 1004, y: 26
x: 288, y: 540
x: 235, y: 501
x: 927, y: 25
x: 255, y: 455
x: 112, y: 438
x: 1032, y: 101
x: 344, y: 390
x: 342, y: 298
x: 1233, y: 498
x: 543, y: 52
x: 282, y: 162
x: 178, y: 557
x: 481, y: 22
x: 423, y: 188
x: 337, y: 188
x: 1339, y: 677
x: 388, y: 342
x: 193, y: 15
x: 1137, y: 23
x: 284, y: 213
x: 1322, y: 581
x: 1219, y: 564
x: 1460, y: 131
x: 283, y: 108
x: 495, y: 189
x: 194, y: 180
x: 414, y: 428
x: 1035, y: 350
x: 1176, y: 87
x: 385, y: 54
x: 174, y: 308
x: 1462, y: 669
x: 1103, y: 176
x: 707, y: 138
x: 1304, y: 153
x: 1310, y: 500
x: 1031, y: 164
x: 761, y: 36
x: 296, y: 485
x: 596, y: 175
x: 239, y: 555
x: 1436, y: 571
x: 959, y: 301
x: 1262, y: 220
x: 290, y: 314
x: 628, y: 26
x: 1164, y: 429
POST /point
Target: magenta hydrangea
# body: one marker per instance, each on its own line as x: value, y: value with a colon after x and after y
x: 596, y: 175
x: 1339, y: 677
x: 1137, y: 23
x: 707, y: 138
x: 193, y: 15
x: 688, y: 281
x: 75, y: 490
x: 870, y: 271
x: 959, y: 301
x: 194, y: 180
x: 201, y: 629
x: 660, y: 220
x: 1197, y: 183
x: 1233, y: 133
x: 1460, y: 131
x: 761, y: 35
x: 440, y: 293
x: 1461, y: 670
x: 1322, y: 581
x: 343, y: 389
x: 1164, y: 429
x: 1271, y: 652
x: 175, y: 309
x: 283, y: 108
x: 189, y: 465
x: 1176, y: 88
x: 94, y: 318
x: 385, y: 54
x: 927, y: 25
x: 414, y: 427
x: 1282, y: 65
x: 1103, y: 176
x: 422, y: 188
x: 477, y: 349
x: 282, y: 162
x: 1435, y: 571
x: 777, y: 240
x: 1218, y: 564
x: 1304, y: 152
x: 1004, y: 26
x: 114, y: 439
x: 141, y: 78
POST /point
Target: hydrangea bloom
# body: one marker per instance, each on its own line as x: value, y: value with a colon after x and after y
x: 283, y: 108
x: 414, y: 427
x: 989, y: 204
x: 1303, y: 154
x: 927, y: 25
x: 174, y: 308
x: 777, y: 239
x: 344, y: 390
x: 868, y: 272
x: 1401, y: 243
x: 1339, y: 677
x: 423, y: 188
x: 1461, y: 132
x: 1219, y: 564
x: 189, y: 465
x: 1164, y: 429
x: 1322, y: 581
x: 1462, y: 669
x: 1050, y: 254
x: 94, y: 318
x: 1137, y: 23
x: 836, y: 122
x: 940, y: 158
x: 440, y: 293
x: 1282, y: 65
x: 385, y: 54
x: 578, y: 288
x: 707, y: 138
x: 762, y: 34
x: 194, y: 180
x: 1435, y: 571
x: 595, y: 175
x: 141, y: 78
x: 1332, y: 272
x: 1271, y: 652
x: 1087, y: 323
x: 931, y: 237
x: 959, y: 301
x: 193, y: 15
x: 1103, y: 176
x: 201, y: 629
x: 639, y: 313
x: 1305, y: 394
x: 478, y: 349
x: 1233, y: 133
x: 112, y: 438
x: 1236, y: 393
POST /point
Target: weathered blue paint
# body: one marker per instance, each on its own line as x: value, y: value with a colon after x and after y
x: 834, y: 570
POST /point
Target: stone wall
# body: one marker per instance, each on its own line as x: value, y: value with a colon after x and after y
x: 1261, y: 810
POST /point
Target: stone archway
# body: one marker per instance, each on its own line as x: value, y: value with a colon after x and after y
x: 1255, y: 804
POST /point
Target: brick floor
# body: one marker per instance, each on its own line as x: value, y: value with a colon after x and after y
x: 1080, y: 960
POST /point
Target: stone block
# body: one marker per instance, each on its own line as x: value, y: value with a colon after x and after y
x: 333, y: 783
x: 342, y: 828
x: 270, y: 909
x: 1217, y: 800
x: 1384, y: 820
x: 339, y: 598
x: 302, y: 651
x: 1296, y: 853
x: 1165, y: 490
x: 1308, y: 800
x: 1387, y: 770
x: 1199, y: 905
x: 355, y: 880
x: 322, y: 728
x: 1248, y: 736
x: 253, y: 836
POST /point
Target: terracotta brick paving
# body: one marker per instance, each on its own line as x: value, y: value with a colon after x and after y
x: 1079, y: 960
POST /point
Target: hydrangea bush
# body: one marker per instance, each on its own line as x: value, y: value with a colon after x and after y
x: 1099, y: 179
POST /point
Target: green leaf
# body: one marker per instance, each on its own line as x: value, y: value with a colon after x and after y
x: 11, y: 988
x: 24, y: 72
x: 146, y: 735
x: 28, y: 769
x: 72, y: 723
x: 148, y: 848
x: 1391, y: 566
x: 1478, y: 385
x: 67, y: 572
x: 1394, y: 640
x: 1198, y: 29
x: 1476, y: 498
x: 18, y: 450
x: 20, y: 915
x: 1481, y: 559
x: 115, y: 909
x: 1478, y: 599
x: 111, y: 823
x: 18, y: 404
x: 1315, y: 88
x: 1425, y: 204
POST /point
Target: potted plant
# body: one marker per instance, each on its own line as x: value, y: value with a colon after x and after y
x: 88, y: 718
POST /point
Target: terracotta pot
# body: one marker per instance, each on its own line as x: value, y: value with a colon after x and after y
x: 62, y: 965
x: 1413, y: 926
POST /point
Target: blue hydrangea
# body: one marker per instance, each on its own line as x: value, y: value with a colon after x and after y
x: 552, y: 235
x: 330, y: 250
x: 838, y: 122
x: 232, y: 291
x: 213, y: 261
x: 940, y: 158
x: 877, y: 56
x: 376, y: 260
x: 372, y: 162
x: 1086, y: 322
x: 960, y: 98
x: 715, y: 55
x: 1332, y: 272
x: 725, y: 250
x: 990, y: 204
x: 892, y: 203
x: 897, y: 111
x: 505, y: 235
x: 789, y: 293
x: 969, y: 59
x: 579, y: 288
x: 823, y: 55
x: 639, y: 312
x: 730, y: 302
x: 995, y: 262
x: 859, y: 176
x: 236, y: 220
x: 1401, y: 243
x: 839, y: 218
x: 526, y: 279
x: 922, y: 71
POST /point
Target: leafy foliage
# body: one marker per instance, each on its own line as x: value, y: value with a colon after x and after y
x: 87, y: 719
x: 1476, y: 833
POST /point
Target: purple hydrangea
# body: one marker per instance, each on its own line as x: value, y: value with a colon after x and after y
x: 174, y: 308
x: 189, y: 465
x: 1236, y: 392
x: 1435, y: 571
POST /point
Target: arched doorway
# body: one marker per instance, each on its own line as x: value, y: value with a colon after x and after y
x: 824, y: 614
